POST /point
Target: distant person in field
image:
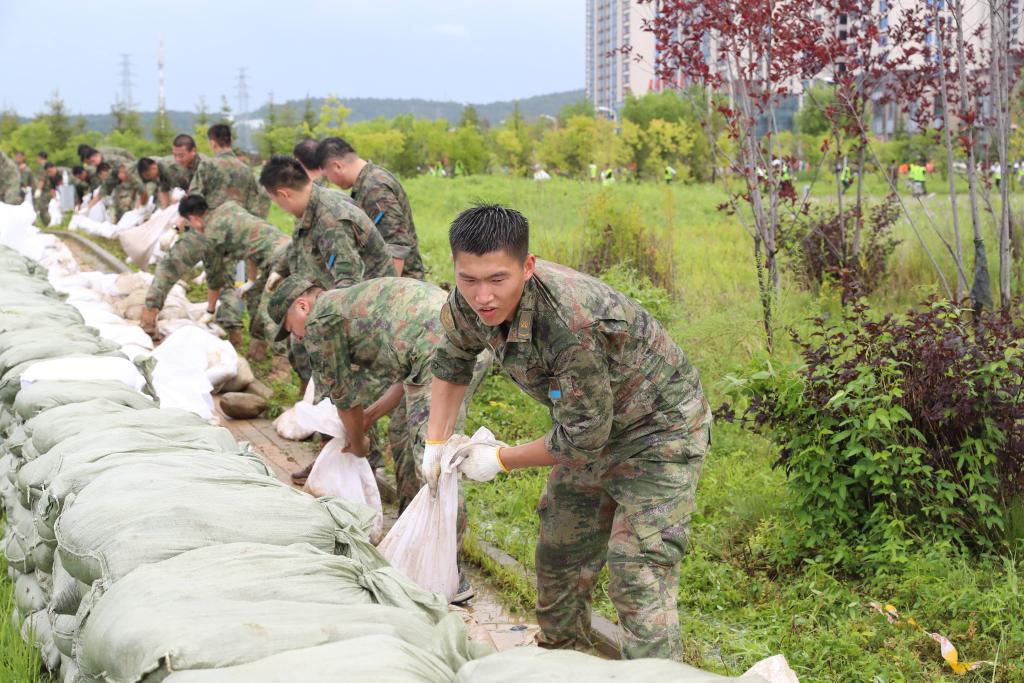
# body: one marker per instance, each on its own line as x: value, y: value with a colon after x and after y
x: 630, y: 428
x: 379, y: 194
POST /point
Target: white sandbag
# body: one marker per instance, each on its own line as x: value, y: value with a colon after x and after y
x: 28, y: 596
x: 96, y: 227
x: 129, y: 219
x: 83, y: 369
x: 56, y: 216
x: 288, y: 425
x: 139, y: 242
x: 369, y: 659
x: 423, y: 543
x: 536, y: 665
x: 774, y: 670
x: 36, y: 629
x: 341, y: 474
x: 190, y: 363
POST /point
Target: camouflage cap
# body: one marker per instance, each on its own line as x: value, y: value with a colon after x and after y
x: 290, y: 289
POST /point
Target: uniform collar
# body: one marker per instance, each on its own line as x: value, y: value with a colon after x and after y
x: 361, y: 178
x: 311, y: 207
x: 520, y: 328
x: 226, y: 153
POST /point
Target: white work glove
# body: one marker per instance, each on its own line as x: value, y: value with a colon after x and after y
x: 246, y: 286
x: 206, y: 318
x: 272, y: 282
x: 479, y: 462
x: 430, y: 467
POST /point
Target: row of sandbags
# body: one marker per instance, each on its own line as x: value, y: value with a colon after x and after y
x: 146, y: 544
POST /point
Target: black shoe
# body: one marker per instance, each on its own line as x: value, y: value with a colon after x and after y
x: 465, y: 592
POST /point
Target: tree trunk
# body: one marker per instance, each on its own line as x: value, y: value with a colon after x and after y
x: 947, y: 138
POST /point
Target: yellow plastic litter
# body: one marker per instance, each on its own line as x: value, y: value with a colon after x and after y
x: 948, y: 650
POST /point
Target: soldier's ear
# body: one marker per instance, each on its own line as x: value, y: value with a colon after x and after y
x: 529, y: 266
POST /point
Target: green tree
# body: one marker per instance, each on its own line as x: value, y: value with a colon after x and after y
x: 583, y: 107
x: 56, y: 118
x: 469, y: 147
x: 163, y: 134
x: 225, y: 110
x: 9, y: 123
x: 308, y: 114
x: 812, y: 118
x: 470, y: 117
x: 202, y: 114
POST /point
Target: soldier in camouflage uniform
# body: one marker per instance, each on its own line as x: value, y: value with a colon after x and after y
x: 115, y: 156
x: 80, y: 181
x: 232, y: 178
x: 161, y: 175
x: 127, y: 194
x: 380, y: 196
x: 10, y: 181
x: 51, y: 179
x: 630, y: 429
x: 220, y: 238
x: 24, y: 171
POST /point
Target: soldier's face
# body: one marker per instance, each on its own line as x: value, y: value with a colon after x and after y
x: 183, y: 156
x: 291, y: 201
x: 151, y: 173
x: 295, y: 318
x: 493, y: 283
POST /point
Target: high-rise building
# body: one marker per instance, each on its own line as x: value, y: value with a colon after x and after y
x: 615, y: 39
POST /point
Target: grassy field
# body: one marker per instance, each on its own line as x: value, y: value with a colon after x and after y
x: 736, y: 604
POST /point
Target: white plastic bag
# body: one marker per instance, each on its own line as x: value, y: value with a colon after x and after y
x: 335, y: 472
x: 423, y: 543
x: 341, y: 474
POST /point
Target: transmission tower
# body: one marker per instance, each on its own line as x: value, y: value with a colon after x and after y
x: 242, y: 118
x: 160, y: 70
x: 126, y: 81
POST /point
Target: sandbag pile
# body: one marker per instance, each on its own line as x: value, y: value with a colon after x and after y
x: 146, y: 544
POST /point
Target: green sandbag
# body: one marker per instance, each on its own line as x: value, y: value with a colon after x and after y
x: 370, y: 659
x: 15, y: 338
x: 58, y: 347
x: 138, y: 514
x: 231, y: 604
x: 536, y: 665
x: 40, y: 396
x: 75, y: 475
x: 36, y: 475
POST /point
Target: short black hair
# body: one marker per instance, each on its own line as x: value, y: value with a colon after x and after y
x: 103, y: 166
x: 48, y: 164
x: 85, y: 151
x: 486, y: 228
x: 332, y: 148
x: 220, y: 133
x: 282, y: 171
x: 42, y: 155
x: 144, y: 164
x: 76, y: 170
x: 305, y: 152
x: 184, y: 140
x: 193, y: 205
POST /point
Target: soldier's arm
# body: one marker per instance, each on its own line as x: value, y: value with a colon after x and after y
x: 452, y: 368
x: 337, y: 246
x: 385, y: 210
x: 334, y: 379
x: 185, y: 253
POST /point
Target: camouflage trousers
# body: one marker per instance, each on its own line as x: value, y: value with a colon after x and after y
x: 407, y: 434
x: 230, y: 313
x: 635, y: 517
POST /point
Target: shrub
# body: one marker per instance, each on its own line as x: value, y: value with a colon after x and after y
x: 897, y: 428
x: 823, y: 242
x: 656, y: 300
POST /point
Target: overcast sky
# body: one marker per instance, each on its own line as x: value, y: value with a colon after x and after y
x: 463, y: 50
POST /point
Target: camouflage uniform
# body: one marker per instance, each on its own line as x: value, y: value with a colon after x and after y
x: 81, y: 189
x: 230, y: 235
x: 116, y: 157
x: 334, y: 245
x: 210, y: 181
x: 170, y: 175
x: 27, y: 179
x: 630, y: 431
x: 381, y: 196
x: 234, y: 180
x: 374, y: 334
x: 10, y: 181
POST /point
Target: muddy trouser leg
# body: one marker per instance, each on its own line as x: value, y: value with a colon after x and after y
x: 655, y: 501
x: 407, y: 471
x: 575, y: 523
x: 260, y: 325
x: 229, y: 312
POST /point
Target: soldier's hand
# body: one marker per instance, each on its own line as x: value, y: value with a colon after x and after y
x: 207, y: 317
x: 358, y: 445
x: 272, y: 282
x: 430, y: 467
x: 148, y: 322
x: 479, y: 462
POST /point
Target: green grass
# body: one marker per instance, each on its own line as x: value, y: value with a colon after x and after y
x: 19, y: 661
x: 737, y: 604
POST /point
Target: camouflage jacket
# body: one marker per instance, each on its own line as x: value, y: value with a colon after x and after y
x: 172, y: 175
x: 379, y: 330
x: 126, y: 196
x: 242, y: 185
x: 10, y: 181
x: 212, y: 182
x: 233, y: 234
x: 26, y: 175
x: 230, y: 235
x: 335, y: 244
x: 612, y: 378
x: 381, y: 196
x: 116, y: 157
